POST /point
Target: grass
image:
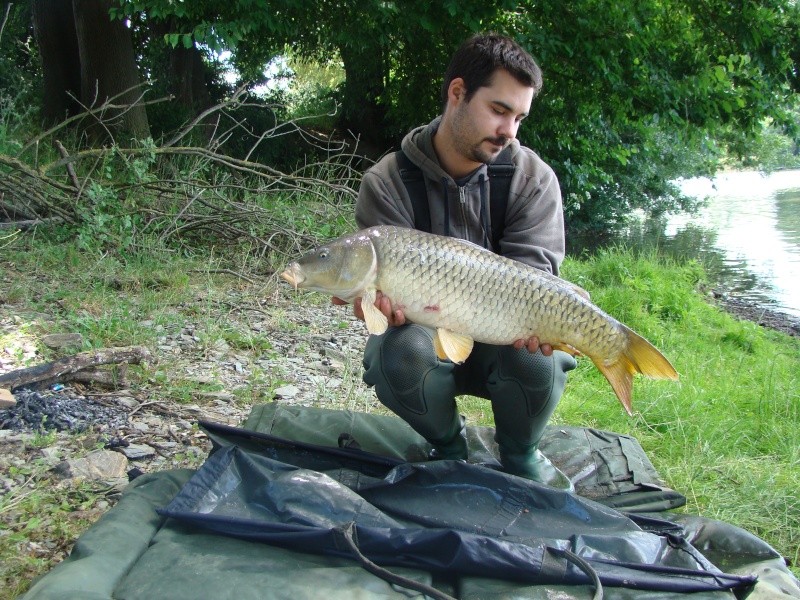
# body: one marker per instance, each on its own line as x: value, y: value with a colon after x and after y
x: 727, y: 435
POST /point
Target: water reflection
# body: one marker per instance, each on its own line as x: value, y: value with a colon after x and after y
x: 788, y: 221
x: 756, y: 219
x: 747, y: 235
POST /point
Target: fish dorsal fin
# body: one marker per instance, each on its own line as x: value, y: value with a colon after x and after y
x: 580, y: 291
x: 376, y: 321
x: 565, y: 284
x: 455, y: 346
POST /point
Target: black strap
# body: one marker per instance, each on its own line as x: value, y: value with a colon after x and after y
x: 500, y: 171
x: 347, y: 533
x: 414, y: 181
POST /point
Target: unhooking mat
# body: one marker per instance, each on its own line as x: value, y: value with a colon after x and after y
x: 311, y: 503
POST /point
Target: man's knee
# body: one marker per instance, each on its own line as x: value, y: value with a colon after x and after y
x: 539, y: 379
x: 534, y: 367
x: 401, y: 356
x: 398, y: 363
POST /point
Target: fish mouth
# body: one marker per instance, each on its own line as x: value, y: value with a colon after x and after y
x: 293, y: 275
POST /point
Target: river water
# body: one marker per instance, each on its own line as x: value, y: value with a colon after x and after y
x: 747, y: 234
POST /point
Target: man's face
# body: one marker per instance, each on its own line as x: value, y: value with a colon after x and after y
x: 483, y: 126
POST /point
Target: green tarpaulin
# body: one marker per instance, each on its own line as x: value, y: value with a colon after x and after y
x: 369, y: 472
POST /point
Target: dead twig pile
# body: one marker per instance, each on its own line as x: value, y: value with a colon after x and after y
x: 180, y: 190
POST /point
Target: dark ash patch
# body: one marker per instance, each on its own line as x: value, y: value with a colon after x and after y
x: 47, y: 411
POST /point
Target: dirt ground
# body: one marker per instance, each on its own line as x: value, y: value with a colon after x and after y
x: 765, y: 317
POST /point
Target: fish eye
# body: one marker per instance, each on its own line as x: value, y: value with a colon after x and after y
x: 323, y: 253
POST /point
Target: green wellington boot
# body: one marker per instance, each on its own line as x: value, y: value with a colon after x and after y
x: 528, y: 461
x: 452, y: 446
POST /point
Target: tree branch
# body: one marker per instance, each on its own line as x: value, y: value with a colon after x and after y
x: 57, y: 370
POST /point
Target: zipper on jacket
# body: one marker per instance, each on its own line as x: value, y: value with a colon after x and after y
x: 462, y: 197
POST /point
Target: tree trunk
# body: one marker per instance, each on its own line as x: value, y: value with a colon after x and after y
x: 364, y: 90
x: 108, y: 69
x: 54, y: 25
x: 186, y: 78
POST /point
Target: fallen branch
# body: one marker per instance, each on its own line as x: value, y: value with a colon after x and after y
x: 70, y: 167
x: 29, y: 224
x: 63, y: 368
x: 109, y: 378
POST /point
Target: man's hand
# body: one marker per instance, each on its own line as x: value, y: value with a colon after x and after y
x: 532, y: 344
x: 383, y: 303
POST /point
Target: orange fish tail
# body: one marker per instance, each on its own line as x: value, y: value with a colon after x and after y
x: 640, y: 356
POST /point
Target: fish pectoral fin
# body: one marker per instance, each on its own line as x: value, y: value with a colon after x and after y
x: 455, y: 346
x: 437, y: 346
x: 376, y: 321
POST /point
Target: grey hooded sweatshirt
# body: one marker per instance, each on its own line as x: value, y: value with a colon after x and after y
x: 534, y: 223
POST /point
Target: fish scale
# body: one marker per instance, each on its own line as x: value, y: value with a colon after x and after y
x: 468, y: 293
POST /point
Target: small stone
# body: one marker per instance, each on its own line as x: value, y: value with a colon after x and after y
x: 138, y: 451
x: 52, y: 455
x: 155, y: 422
x: 287, y: 391
x: 60, y: 341
x: 127, y: 401
x: 91, y: 442
x: 195, y: 452
x: 221, y: 346
x: 7, y: 399
x: 100, y: 464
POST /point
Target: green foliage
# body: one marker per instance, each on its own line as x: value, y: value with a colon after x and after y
x: 770, y: 150
x: 643, y: 291
x: 636, y: 93
x: 108, y: 216
x: 311, y: 96
x: 19, y: 78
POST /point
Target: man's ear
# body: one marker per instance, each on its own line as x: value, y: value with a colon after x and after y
x: 456, y: 91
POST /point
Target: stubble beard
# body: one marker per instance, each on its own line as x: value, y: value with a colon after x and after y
x: 464, y: 140
x: 485, y: 156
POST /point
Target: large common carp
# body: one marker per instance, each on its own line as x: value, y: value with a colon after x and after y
x: 468, y: 293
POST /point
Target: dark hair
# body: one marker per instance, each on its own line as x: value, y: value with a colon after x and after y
x: 481, y: 55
